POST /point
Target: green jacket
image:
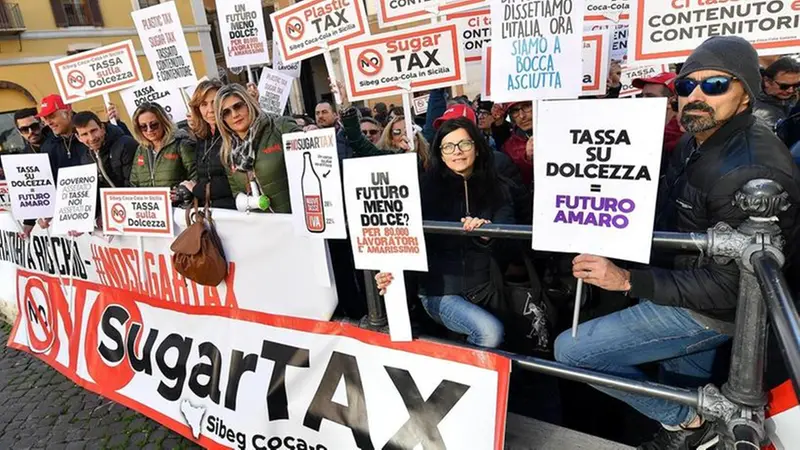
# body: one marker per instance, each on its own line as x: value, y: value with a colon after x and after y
x: 270, y: 166
x: 352, y: 129
x: 173, y: 164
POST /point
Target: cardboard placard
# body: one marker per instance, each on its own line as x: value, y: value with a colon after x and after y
x: 136, y: 212
x: 315, y: 184
x: 76, y: 200
x: 97, y: 72
x: 290, y: 69
x: 619, y: 34
x: 630, y: 73
x: 164, y: 44
x: 154, y: 92
x: 475, y: 31
x: 608, y: 9
x: 244, y: 37
x: 313, y: 27
x: 598, y: 176
x: 30, y: 185
x: 420, y: 104
x: 595, y: 62
x: 273, y: 91
x: 411, y: 60
x: 536, y: 50
x: 5, y: 197
x: 664, y: 31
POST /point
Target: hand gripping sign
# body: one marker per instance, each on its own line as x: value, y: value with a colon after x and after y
x: 405, y: 61
x: 314, y: 27
x: 97, y: 72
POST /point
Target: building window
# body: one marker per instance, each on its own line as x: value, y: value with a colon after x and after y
x: 148, y: 3
x: 77, y: 13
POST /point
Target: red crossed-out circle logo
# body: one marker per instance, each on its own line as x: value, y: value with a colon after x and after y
x: 295, y: 28
x: 118, y: 213
x: 369, y: 62
x: 76, y: 79
x: 39, y: 310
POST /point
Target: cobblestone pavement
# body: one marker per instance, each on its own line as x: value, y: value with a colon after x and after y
x: 42, y: 409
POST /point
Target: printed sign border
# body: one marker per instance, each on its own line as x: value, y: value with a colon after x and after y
x: 128, y: 45
x: 136, y: 231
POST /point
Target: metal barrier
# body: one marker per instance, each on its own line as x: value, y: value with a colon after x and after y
x: 755, y: 245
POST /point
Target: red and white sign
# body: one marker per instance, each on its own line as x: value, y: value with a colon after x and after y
x: 486, y: 84
x: 312, y: 27
x: 420, y: 104
x: 164, y: 44
x: 398, y: 12
x: 668, y: 31
x: 595, y: 62
x: 630, y: 73
x: 475, y: 29
x: 97, y: 72
x: 608, y: 9
x: 783, y: 415
x: 244, y: 36
x: 412, y: 60
x: 619, y: 34
x: 249, y: 380
x: 137, y: 212
x: 5, y: 198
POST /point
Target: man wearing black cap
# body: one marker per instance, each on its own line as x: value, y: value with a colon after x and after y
x: 687, y: 308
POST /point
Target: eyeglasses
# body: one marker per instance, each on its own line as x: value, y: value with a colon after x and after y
x: 786, y: 87
x: 465, y: 146
x: 482, y: 114
x: 515, y: 112
x: 35, y: 126
x: 716, y: 85
x: 371, y: 132
x: 152, y: 126
x: 237, y: 107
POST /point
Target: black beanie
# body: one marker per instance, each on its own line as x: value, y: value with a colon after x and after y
x: 730, y: 54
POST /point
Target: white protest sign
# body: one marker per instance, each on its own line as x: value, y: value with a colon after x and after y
x: 619, y: 34
x: 97, y: 72
x: 164, y: 44
x: 5, y: 197
x: 475, y: 31
x: 273, y: 91
x: 630, y: 73
x: 30, y: 184
x: 76, y: 200
x: 598, y: 176
x: 486, y: 84
x: 290, y: 69
x: 610, y: 9
x: 536, y: 50
x: 310, y: 28
x: 155, y: 92
x: 136, y: 212
x: 315, y: 184
x: 399, y: 12
x: 669, y: 30
x: 595, y: 62
x: 244, y: 38
x: 416, y: 59
x: 420, y: 104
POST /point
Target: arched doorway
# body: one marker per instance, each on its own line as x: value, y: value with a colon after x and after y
x: 13, y: 97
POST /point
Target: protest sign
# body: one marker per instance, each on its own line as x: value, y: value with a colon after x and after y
x: 5, y: 197
x: 315, y: 184
x: 608, y: 9
x: 76, y: 200
x: 136, y: 212
x: 630, y: 73
x: 30, y: 185
x: 416, y: 59
x: 155, y: 92
x: 421, y: 104
x: 273, y: 91
x: 619, y: 34
x: 599, y: 176
x: 595, y: 62
x: 164, y: 44
x: 398, y: 12
x: 97, y: 72
x: 537, y: 49
x: 313, y: 27
x: 244, y: 38
x: 475, y: 31
x: 290, y: 69
x: 486, y: 85
x: 665, y: 31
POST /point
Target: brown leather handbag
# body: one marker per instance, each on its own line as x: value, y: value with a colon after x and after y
x: 197, y: 251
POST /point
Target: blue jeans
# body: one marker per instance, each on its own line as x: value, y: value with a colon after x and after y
x: 617, y: 343
x: 464, y: 317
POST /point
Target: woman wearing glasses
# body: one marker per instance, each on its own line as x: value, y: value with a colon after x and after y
x: 165, y: 157
x: 252, y: 146
x: 461, y: 185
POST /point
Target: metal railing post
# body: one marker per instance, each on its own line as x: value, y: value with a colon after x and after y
x: 376, y: 311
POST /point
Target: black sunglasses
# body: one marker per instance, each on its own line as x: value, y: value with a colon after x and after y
x: 152, y: 126
x: 370, y: 132
x: 716, y: 85
x: 786, y: 87
x: 35, y: 126
x: 228, y: 112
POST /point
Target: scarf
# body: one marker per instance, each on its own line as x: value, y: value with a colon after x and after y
x: 243, y: 153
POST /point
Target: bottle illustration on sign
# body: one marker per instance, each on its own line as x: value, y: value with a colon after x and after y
x: 312, y: 196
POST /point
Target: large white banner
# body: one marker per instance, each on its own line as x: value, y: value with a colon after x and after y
x: 669, y: 30
x: 244, y: 37
x: 536, y: 50
x: 32, y: 189
x: 153, y: 91
x: 164, y: 44
x: 598, y: 176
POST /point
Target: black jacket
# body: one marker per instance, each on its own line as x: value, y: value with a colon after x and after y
x: 696, y: 193
x: 457, y: 264
x: 65, y: 151
x: 210, y: 171
x: 115, y: 156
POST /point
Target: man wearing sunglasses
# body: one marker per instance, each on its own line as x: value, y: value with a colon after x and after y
x: 33, y: 132
x: 687, y: 307
x: 781, y: 81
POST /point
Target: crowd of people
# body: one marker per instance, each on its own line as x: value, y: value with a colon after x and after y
x: 728, y: 121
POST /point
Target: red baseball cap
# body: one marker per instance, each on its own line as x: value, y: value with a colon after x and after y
x: 664, y: 78
x: 454, y: 112
x: 51, y: 104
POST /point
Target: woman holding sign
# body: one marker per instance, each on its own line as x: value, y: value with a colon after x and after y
x: 252, y: 148
x: 461, y: 185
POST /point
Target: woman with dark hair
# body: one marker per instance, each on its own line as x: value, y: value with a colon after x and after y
x: 165, y: 157
x: 461, y: 185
